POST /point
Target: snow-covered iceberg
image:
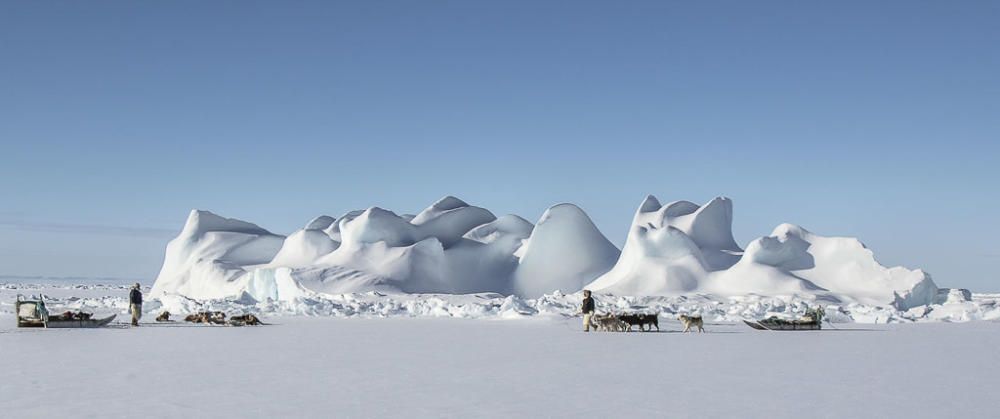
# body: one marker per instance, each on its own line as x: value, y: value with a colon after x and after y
x: 681, y: 248
x: 451, y: 247
x: 210, y: 256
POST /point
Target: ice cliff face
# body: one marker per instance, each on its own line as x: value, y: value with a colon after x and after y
x: 210, y: 256
x: 452, y: 247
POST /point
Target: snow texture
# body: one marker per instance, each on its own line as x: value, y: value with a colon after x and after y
x: 529, y: 367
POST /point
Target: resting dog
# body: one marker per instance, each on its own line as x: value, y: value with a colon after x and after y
x: 642, y: 320
x: 245, y: 320
x: 209, y: 317
x: 689, y: 321
x: 163, y: 317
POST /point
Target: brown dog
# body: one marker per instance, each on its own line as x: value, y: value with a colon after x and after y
x: 207, y: 317
x: 163, y: 317
x: 689, y: 321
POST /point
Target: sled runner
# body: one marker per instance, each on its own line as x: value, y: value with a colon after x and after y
x: 776, y: 324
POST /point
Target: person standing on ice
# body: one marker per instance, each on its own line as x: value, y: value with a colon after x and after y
x: 135, y: 304
x: 587, y: 309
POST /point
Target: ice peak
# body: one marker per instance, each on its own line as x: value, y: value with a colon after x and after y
x: 650, y: 204
x: 444, y: 205
x: 320, y: 223
x: 787, y: 229
x: 448, y: 203
x: 565, y: 251
x: 711, y: 226
x: 564, y: 210
x: 201, y: 221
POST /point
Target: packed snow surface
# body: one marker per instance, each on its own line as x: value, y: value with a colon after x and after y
x: 672, y: 250
x: 533, y: 367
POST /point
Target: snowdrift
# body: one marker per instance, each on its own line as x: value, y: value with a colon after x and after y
x: 451, y: 247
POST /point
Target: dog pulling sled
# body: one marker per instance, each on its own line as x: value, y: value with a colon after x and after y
x: 32, y: 313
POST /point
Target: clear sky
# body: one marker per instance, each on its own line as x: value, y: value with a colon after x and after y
x: 879, y: 120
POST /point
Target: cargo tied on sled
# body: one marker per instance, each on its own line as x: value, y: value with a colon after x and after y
x: 812, y: 320
x: 33, y: 313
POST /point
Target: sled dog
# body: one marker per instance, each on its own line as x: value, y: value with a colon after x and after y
x: 642, y: 320
x: 607, y: 323
x: 689, y: 321
x: 210, y: 317
x: 245, y: 320
x: 163, y: 317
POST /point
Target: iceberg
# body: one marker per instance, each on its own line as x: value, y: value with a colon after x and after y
x: 681, y: 248
x: 451, y: 247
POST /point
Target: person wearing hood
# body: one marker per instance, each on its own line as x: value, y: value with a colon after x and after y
x: 135, y: 304
x: 587, y: 309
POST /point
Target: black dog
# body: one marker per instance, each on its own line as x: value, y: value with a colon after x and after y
x: 642, y: 320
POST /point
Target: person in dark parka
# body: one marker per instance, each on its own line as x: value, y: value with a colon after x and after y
x: 587, y: 309
x: 135, y: 304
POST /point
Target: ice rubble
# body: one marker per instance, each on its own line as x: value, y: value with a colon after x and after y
x: 451, y: 247
x: 949, y: 306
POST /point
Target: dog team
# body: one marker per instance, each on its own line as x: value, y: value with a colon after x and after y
x: 624, y: 322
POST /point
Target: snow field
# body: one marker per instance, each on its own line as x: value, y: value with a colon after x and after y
x: 536, y: 367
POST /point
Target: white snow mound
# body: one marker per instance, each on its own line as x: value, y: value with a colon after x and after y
x: 565, y: 252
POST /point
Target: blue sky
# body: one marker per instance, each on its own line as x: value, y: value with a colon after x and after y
x: 871, y: 119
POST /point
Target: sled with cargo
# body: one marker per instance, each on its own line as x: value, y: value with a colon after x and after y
x: 32, y: 313
x: 811, y: 321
